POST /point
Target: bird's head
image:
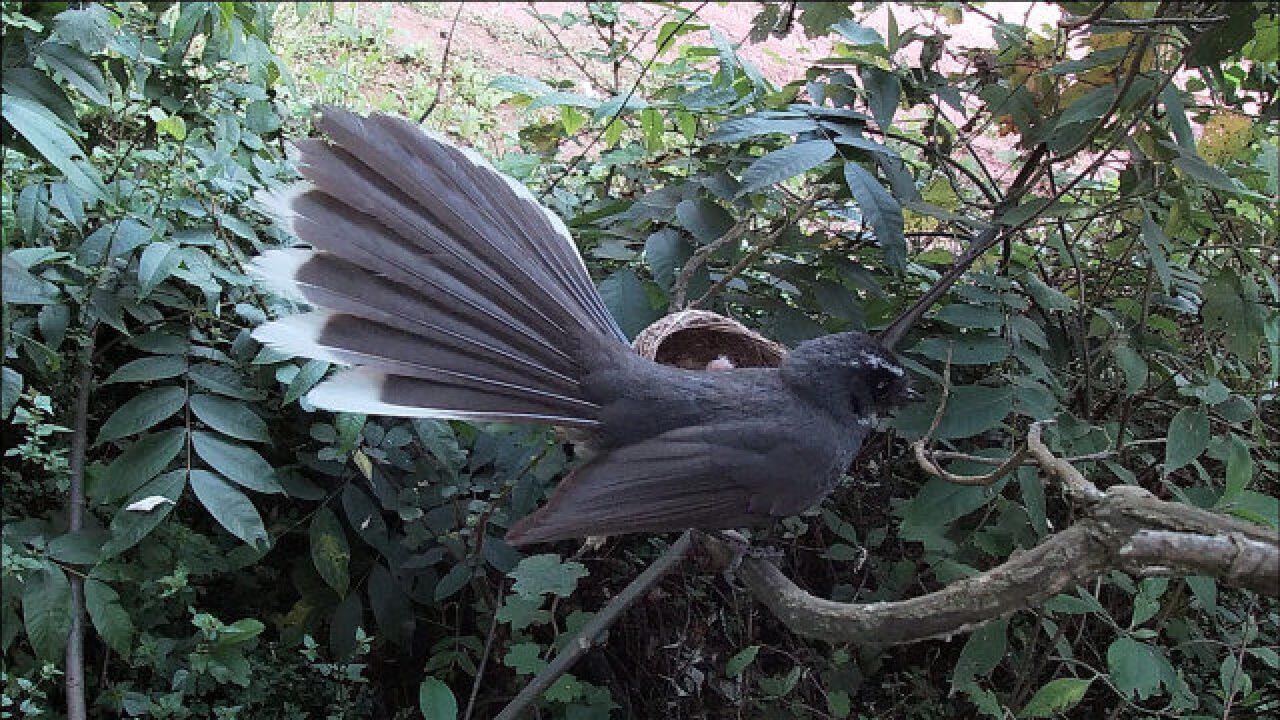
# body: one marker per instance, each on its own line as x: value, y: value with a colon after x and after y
x: 849, y: 371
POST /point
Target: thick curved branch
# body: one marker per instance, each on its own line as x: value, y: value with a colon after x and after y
x: 1128, y: 529
x: 1125, y: 527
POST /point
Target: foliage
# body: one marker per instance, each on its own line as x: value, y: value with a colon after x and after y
x: 228, y: 525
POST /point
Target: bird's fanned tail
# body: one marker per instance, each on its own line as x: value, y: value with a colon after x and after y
x: 453, y: 291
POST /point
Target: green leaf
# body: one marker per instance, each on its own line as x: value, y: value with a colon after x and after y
x: 785, y: 163
x: 1134, y: 668
x: 20, y: 287
x: 964, y: 315
x: 145, y: 410
x: 742, y: 128
x: 1232, y: 308
x: 436, y: 700
x: 520, y: 612
x: 971, y: 409
x: 453, y: 581
x: 239, y: 464
x: 307, y: 377
x: 229, y: 507
x: 984, y: 350
x: 12, y: 388
x: 129, y: 527
x: 525, y: 658
x: 49, y: 136
x: 330, y: 552
x: 884, y: 90
x: 881, y: 211
x: 1196, y: 167
x: 156, y: 367
x: 77, y: 548
x: 157, y: 262
x: 109, y: 617
x: 146, y: 458
x: 706, y: 220
x: 740, y: 661
x: 1239, y: 468
x: 230, y: 417
x: 981, y: 654
x: 628, y: 302
x: 857, y: 35
x: 222, y: 380
x: 391, y: 608
x: 666, y: 252
x: 1134, y: 367
x: 1155, y: 241
x: 346, y: 618
x: 1188, y: 437
x: 77, y: 69
x: 1056, y: 696
x: 542, y: 574
x: 1047, y: 297
x: 46, y: 611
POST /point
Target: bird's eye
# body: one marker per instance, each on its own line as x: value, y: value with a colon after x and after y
x: 882, y: 386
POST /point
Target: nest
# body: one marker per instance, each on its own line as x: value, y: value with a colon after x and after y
x: 692, y: 339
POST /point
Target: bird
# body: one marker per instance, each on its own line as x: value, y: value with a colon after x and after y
x: 452, y: 293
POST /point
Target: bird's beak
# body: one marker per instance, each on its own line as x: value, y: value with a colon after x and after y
x: 914, y: 395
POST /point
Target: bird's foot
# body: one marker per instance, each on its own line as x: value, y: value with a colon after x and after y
x: 741, y: 548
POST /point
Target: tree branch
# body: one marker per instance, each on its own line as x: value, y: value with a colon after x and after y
x: 1125, y: 527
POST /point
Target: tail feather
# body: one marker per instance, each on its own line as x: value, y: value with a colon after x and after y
x: 454, y: 292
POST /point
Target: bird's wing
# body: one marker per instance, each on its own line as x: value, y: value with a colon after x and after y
x: 707, y: 477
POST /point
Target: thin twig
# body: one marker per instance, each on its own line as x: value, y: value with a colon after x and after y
x: 680, y: 288
x: 444, y: 66
x: 582, y: 642
x: 657, y: 50
x: 76, y: 706
x: 484, y: 659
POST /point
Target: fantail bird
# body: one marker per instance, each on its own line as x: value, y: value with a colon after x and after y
x: 455, y: 294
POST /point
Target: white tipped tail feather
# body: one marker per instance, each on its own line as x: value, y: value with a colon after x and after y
x: 450, y: 288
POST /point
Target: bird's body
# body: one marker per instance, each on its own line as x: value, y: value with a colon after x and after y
x: 458, y: 296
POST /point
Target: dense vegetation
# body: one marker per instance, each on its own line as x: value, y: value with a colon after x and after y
x: 214, y: 547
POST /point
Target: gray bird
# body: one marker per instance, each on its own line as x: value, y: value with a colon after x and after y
x: 455, y: 294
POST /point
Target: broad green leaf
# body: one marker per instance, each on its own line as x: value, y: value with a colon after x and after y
x: 971, y: 409
x: 1134, y: 367
x: 129, y: 527
x: 1188, y: 437
x: 625, y: 295
x: 77, y: 548
x: 1239, y: 468
x: 230, y: 507
x: 1230, y: 306
x: 20, y: 287
x: 436, y: 700
x: 223, y: 380
x: 155, y: 367
x: 738, y: 129
x: 1047, y: 297
x: 145, y: 410
x: 1154, y: 240
x: 881, y: 211
x: 525, y: 658
x: 884, y: 89
x: 230, y: 417
x: 109, y: 617
x: 50, y: 137
x: 1196, y: 167
x: 346, y: 618
x: 547, y: 573
x: 857, y: 35
x: 964, y: 315
x: 983, y: 350
x: 46, y: 611
x: 330, y: 552
x: 157, y: 262
x: 520, y: 612
x: 391, y: 608
x: 707, y: 220
x: 1134, y: 667
x: 146, y: 458
x: 77, y: 69
x: 239, y: 464
x: 666, y: 252
x: 453, y: 581
x: 307, y: 377
x: 982, y: 653
x: 10, y: 391
x: 740, y: 661
x: 1056, y: 696
x: 785, y: 163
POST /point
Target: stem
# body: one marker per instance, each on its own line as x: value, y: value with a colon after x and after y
x: 76, y: 707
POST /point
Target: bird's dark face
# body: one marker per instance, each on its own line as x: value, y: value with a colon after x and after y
x: 850, y: 370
